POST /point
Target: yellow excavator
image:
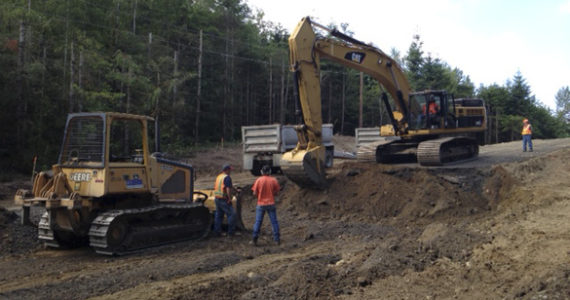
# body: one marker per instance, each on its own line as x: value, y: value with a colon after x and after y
x: 109, y: 191
x: 429, y: 125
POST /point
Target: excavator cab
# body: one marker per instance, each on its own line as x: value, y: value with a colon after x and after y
x: 431, y: 110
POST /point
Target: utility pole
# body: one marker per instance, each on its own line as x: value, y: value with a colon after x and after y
x: 71, y: 75
x: 149, y: 44
x: 270, y: 92
x: 343, y: 100
x: 135, y: 17
x: 80, y: 79
x: 282, y: 112
x: 199, y: 89
x: 361, y: 100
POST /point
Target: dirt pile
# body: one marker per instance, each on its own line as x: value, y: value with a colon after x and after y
x: 369, y: 192
x: 15, y: 238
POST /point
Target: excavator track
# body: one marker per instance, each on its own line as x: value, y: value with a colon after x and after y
x: 304, y: 172
x: 445, y: 150
x: 122, y: 231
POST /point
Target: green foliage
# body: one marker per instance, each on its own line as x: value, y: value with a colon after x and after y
x: 133, y: 56
x: 563, y: 104
x: 429, y: 73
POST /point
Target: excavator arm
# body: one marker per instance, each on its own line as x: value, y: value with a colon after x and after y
x: 304, y: 164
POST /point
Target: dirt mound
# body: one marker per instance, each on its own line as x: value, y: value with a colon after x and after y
x: 210, y: 161
x: 6, y: 217
x: 370, y: 192
x: 15, y: 238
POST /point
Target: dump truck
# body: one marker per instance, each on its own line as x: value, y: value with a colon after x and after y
x: 265, y: 144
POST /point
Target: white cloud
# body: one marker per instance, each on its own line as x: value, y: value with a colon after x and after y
x: 565, y: 7
x: 486, y: 56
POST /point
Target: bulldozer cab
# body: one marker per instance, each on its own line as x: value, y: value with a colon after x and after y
x: 106, y: 153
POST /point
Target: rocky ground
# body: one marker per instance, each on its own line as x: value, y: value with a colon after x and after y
x: 493, y: 228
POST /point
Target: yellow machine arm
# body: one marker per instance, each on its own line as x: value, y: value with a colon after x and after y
x: 304, y: 164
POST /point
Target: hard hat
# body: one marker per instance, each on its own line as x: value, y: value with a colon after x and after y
x: 266, y: 170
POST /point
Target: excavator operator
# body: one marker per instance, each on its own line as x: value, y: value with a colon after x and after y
x: 433, y: 110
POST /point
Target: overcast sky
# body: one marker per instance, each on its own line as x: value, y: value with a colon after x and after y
x: 489, y: 40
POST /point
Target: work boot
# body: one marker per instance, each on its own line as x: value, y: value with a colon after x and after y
x: 277, y: 242
x: 530, y: 150
x: 253, y: 242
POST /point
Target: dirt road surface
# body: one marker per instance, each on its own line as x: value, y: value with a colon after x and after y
x: 495, y: 228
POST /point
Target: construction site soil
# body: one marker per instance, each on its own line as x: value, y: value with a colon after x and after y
x: 488, y: 230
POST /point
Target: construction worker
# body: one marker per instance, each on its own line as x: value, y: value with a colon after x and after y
x: 432, y: 106
x: 266, y: 188
x: 433, y: 110
x: 526, y: 135
x: 223, y: 194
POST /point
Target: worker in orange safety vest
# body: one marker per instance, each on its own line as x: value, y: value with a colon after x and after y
x: 433, y: 108
x: 526, y: 135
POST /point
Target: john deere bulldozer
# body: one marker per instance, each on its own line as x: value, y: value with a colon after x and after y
x: 109, y: 191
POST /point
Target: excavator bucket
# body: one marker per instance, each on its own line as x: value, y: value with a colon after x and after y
x: 305, y: 167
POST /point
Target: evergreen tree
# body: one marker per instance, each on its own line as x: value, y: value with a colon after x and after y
x: 563, y: 103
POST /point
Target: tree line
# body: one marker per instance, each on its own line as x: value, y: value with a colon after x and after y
x: 203, y: 67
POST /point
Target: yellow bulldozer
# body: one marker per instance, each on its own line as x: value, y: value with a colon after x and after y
x: 110, y: 191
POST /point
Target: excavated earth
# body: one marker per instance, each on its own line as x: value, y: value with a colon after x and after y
x: 498, y: 228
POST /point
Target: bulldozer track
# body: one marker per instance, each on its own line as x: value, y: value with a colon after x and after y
x: 124, y: 231
x: 45, y: 233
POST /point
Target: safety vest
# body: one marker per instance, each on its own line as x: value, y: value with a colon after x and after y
x: 220, y: 187
x: 432, y: 108
x: 526, y: 130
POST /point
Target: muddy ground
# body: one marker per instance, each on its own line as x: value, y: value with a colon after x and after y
x: 488, y: 230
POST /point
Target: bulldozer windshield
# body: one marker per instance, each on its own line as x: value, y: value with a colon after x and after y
x: 83, y: 144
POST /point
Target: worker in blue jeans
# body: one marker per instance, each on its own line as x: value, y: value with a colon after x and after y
x: 223, y: 199
x: 266, y: 188
x: 527, y: 135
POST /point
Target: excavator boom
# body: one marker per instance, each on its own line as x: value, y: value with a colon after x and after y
x: 304, y: 164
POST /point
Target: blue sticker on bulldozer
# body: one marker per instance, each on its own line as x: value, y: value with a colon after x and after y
x: 135, y: 183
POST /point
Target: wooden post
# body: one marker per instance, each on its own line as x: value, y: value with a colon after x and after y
x: 198, y: 92
x: 361, y: 100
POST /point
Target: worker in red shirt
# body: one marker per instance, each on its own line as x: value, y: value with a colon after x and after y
x: 266, y: 188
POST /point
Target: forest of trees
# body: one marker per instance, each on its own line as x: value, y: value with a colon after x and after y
x: 203, y: 67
